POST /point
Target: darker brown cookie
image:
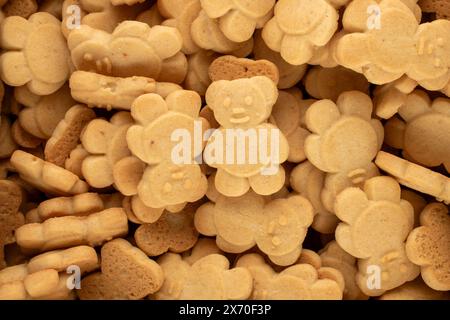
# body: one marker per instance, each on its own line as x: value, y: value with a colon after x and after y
x: 231, y: 68
x: 10, y: 218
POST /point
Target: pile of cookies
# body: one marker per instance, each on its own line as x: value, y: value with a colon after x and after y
x: 117, y: 179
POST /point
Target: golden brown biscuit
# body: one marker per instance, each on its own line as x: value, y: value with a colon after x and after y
x: 231, y: 68
x: 174, y: 232
x: 66, y: 135
x: 127, y: 273
x: 10, y: 218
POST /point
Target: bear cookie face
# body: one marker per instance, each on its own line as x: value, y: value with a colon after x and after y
x: 36, y: 53
x: 242, y: 103
x: 375, y: 225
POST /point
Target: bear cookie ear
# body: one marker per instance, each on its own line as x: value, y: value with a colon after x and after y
x: 268, y: 87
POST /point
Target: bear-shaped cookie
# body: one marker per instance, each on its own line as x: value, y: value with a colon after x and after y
x: 396, y: 45
x: 210, y: 277
x: 170, y: 174
x: 301, y: 281
x: 376, y: 223
x: 428, y: 246
x: 277, y: 227
x: 36, y: 53
x: 180, y: 14
x: 238, y: 19
x: 300, y: 26
x: 345, y: 137
x: 425, y: 132
x: 106, y: 143
x: 132, y: 49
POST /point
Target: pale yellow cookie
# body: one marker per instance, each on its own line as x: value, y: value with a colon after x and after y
x: 197, y: 77
x: 207, y: 35
x: 278, y: 227
x: 41, y: 114
x: 36, y: 53
x: 106, y: 143
x: 46, y: 176
x: 298, y: 282
x: 308, y: 181
x: 329, y: 83
x: 180, y: 14
x: 101, y: 91
x: 63, y: 232
x: 132, y: 49
x: 376, y: 223
x: 239, y: 19
x: 415, y: 290
x: 288, y: 115
x: 345, y: 137
x: 207, y: 278
x: 79, y: 205
x: 300, y: 26
x: 171, y: 175
x: 424, y: 132
x: 289, y: 74
x: 415, y: 176
x: 335, y: 257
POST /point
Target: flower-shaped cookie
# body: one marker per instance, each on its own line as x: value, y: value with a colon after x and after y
x: 346, y: 138
x: 238, y: 19
x: 376, y: 223
x: 106, y: 142
x: 171, y: 176
x: 36, y: 53
x: 132, y: 49
x: 428, y: 246
x: 425, y: 134
x: 299, y: 282
x: 278, y: 227
x: 207, y: 278
x: 300, y: 26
